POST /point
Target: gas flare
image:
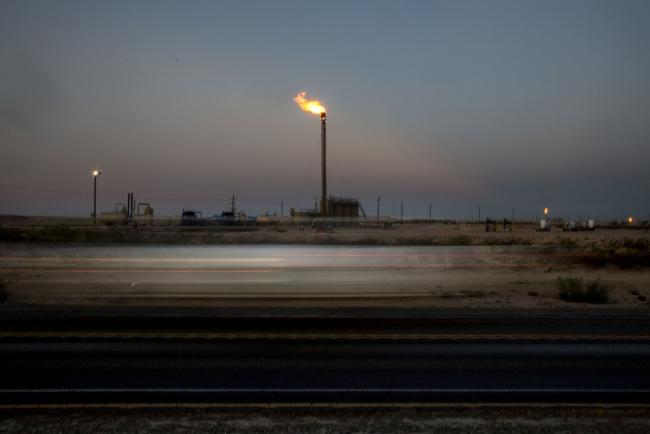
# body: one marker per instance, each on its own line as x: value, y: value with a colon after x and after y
x: 312, y: 106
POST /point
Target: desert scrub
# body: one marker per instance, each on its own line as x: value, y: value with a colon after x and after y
x: 511, y: 241
x: 626, y: 253
x: 4, y: 292
x: 575, y: 289
x: 570, y: 284
x: 460, y: 240
x: 567, y: 243
x: 7, y: 234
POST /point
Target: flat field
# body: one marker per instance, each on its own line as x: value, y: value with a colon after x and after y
x: 306, y: 276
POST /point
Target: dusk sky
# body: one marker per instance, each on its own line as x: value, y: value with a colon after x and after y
x: 459, y: 103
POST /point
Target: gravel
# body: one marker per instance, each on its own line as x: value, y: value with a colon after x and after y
x: 476, y: 419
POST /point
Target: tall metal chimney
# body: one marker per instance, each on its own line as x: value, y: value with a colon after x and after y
x: 323, y: 157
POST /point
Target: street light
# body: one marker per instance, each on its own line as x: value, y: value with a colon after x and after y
x: 96, y: 174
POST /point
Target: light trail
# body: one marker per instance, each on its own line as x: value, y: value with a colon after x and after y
x: 139, y: 260
x: 285, y: 269
x: 424, y: 255
x: 137, y: 270
x: 281, y: 257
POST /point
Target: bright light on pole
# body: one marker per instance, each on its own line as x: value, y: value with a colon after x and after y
x: 96, y: 174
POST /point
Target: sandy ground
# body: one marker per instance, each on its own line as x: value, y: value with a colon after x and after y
x: 438, y: 233
x: 303, y: 276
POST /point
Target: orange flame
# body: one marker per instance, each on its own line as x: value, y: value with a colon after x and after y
x: 312, y: 106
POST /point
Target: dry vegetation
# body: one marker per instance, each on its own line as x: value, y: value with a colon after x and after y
x: 438, y: 233
x: 4, y: 292
x: 575, y: 289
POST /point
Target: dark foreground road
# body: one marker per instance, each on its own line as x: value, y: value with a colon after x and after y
x: 543, y: 359
x: 301, y: 370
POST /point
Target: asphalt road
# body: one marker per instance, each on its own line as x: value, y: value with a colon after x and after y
x: 49, y: 273
x: 476, y: 359
x: 325, y: 371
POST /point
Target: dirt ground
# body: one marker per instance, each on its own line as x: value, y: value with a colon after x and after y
x: 266, y: 419
x: 382, y: 277
x: 437, y: 233
x: 533, y: 286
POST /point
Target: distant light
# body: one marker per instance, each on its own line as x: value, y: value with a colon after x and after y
x: 545, y: 211
x: 630, y: 220
x: 96, y: 172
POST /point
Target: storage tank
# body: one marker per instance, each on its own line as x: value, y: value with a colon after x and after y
x: 544, y: 225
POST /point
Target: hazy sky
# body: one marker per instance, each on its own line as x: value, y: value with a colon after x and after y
x: 498, y: 103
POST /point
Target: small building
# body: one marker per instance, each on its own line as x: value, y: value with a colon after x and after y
x: 190, y: 217
x: 342, y: 207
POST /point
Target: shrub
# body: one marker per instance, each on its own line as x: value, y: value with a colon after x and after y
x: 473, y: 294
x: 626, y: 253
x: 575, y: 290
x: 4, y: 293
x: 570, y: 286
x: 460, y: 240
x: 57, y: 234
x: 597, y: 292
x: 567, y: 243
x: 10, y: 234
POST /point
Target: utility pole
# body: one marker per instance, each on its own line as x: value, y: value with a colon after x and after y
x: 96, y: 173
x: 94, y: 201
x: 401, y: 212
x: 133, y: 208
x: 378, y: 199
x: 232, y: 206
x: 131, y: 205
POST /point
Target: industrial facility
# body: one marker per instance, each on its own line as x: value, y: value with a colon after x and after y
x: 131, y: 213
x: 230, y: 217
x: 335, y: 209
x: 329, y: 211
